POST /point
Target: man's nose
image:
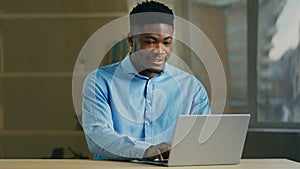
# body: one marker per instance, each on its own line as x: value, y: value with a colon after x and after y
x: 159, y: 48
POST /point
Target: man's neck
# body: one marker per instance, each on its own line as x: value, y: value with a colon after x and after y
x: 150, y: 72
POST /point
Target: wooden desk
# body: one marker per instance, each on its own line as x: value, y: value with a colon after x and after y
x: 92, y: 164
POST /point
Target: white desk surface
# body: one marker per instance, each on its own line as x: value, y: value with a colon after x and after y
x: 95, y: 164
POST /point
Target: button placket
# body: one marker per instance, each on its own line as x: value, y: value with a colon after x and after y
x: 148, y: 97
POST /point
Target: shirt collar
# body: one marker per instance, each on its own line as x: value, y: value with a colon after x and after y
x: 127, y: 65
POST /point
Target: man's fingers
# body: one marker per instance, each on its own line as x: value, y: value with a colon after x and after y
x: 160, y: 151
x: 159, y: 155
x: 165, y: 148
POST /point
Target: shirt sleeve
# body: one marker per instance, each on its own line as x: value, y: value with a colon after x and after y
x: 97, y: 124
x: 201, y: 103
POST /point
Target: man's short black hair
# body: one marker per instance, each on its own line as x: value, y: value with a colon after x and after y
x: 151, y: 6
x: 154, y: 12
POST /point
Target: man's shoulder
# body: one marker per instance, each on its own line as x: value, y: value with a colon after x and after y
x: 104, y: 72
x: 109, y: 68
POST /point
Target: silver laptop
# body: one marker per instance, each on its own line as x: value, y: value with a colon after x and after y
x: 207, y: 140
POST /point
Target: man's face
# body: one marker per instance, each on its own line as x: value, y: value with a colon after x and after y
x: 150, y: 51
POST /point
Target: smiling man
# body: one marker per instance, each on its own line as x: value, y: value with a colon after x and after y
x: 130, y: 107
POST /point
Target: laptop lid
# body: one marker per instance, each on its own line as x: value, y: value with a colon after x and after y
x: 208, y: 139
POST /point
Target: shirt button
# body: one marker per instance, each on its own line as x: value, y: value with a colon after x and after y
x: 147, y: 123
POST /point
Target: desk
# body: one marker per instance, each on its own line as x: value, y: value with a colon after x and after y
x: 92, y: 164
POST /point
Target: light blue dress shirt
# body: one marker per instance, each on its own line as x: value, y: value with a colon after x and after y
x: 123, y: 112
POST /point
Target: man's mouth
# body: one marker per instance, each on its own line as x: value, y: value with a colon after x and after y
x: 157, y: 60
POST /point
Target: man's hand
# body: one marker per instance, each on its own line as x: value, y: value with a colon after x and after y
x: 160, y: 151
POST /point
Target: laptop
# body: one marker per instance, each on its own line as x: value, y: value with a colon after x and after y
x: 207, y: 140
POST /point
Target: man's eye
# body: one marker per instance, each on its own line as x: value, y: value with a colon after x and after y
x: 149, y: 42
x: 167, y: 43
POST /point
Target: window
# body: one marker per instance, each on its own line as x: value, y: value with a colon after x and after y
x: 278, y: 100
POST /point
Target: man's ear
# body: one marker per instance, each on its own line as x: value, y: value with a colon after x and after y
x: 130, y: 39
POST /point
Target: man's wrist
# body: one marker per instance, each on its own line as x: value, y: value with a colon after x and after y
x: 139, y: 149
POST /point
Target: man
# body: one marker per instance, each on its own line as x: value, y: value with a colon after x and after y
x: 130, y: 107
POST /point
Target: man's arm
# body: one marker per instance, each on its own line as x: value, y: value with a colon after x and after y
x: 200, y: 104
x: 97, y: 123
